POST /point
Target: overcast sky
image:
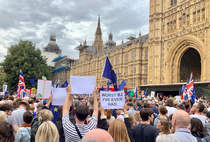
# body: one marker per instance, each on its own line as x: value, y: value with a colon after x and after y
x: 70, y: 20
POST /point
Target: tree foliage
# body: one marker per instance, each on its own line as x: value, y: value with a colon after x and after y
x: 206, y: 91
x: 24, y: 56
x: 2, y: 78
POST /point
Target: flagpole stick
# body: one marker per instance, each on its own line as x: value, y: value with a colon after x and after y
x: 43, y: 92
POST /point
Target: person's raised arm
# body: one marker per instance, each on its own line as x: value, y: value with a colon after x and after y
x: 49, y: 101
x: 95, y: 91
x: 68, y: 100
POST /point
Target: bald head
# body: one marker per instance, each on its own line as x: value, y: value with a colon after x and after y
x: 180, y: 119
x: 97, y: 135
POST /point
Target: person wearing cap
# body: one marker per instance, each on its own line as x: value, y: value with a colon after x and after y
x: 18, y: 114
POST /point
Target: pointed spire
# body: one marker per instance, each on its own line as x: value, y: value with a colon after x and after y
x: 85, y: 43
x: 99, y: 21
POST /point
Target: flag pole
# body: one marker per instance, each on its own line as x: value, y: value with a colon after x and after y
x: 43, y: 92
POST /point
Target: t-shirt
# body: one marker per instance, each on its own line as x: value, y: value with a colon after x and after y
x: 200, y: 117
x: 70, y: 132
x: 18, y: 114
x: 171, y: 110
x: 145, y: 133
x: 11, y: 120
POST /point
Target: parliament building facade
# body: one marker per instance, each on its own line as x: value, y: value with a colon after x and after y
x: 177, y: 44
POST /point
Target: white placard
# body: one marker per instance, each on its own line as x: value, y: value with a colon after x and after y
x: 47, y: 88
x: 178, y: 98
x: 59, y: 96
x: 152, y: 93
x: 82, y: 84
x: 112, y: 100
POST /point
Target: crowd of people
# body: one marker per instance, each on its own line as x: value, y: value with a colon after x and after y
x: 153, y: 119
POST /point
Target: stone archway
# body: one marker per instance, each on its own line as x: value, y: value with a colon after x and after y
x: 176, y: 54
x: 190, y: 62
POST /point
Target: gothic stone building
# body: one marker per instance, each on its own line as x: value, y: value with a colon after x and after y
x: 162, y: 61
x: 129, y: 60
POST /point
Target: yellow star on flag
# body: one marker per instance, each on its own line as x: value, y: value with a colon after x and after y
x: 55, y: 109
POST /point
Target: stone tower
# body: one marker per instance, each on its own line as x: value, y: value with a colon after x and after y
x: 98, y: 42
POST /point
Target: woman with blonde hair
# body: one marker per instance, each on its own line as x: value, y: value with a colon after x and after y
x: 44, y: 115
x: 163, y: 126
x: 47, y: 132
x: 131, y: 120
x: 3, y: 116
x: 109, y: 116
x: 137, y: 117
x: 118, y: 131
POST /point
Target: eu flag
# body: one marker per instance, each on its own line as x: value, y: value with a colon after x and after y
x: 65, y: 84
x: 109, y: 83
x: 183, y: 88
x: 33, y: 81
x: 109, y: 73
x: 55, y: 112
x: 122, y: 85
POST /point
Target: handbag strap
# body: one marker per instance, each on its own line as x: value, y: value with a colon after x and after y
x: 78, y: 132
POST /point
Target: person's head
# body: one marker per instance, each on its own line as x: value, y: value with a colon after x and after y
x: 130, y: 100
x: 167, y: 138
x: 131, y: 120
x: 11, y: 98
x: 6, y: 132
x: 180, y: 119
x: 45, y: 115
x: 138, y: 104
x: 163, y: 110
x: 136, y: 116
x: 146, y: 105
x: 134, y: 100
x: 15, y: 103
x: 147, y: 114
x: 97, y: 135
x: 163, y: 125
x: 108, y: 113
x: 187, y: 105
x: 76, y: 103
x: 7, y: 108
x: 47, y: 132
x: 169, y: 103
x: 91, y: 100
x: 118, y: 131
x: 10, y: 102
x: 204, y: 112
x: 31, y: 101
x: 1, y: 97
x: 198, y: 108
x: 152, y: 103
x: 32, y: 108
x: 3, y: 116
x: 118, y: 111
x: 196, y: 127
x: 81, y: 113
x: 83, y: 101
x: 39, y: 107
x: 27, y: 117
x: 130, y: 105
x: 208, y: 116
x: 26, y: 98
x: 23, y: 104
x: 180, y: 107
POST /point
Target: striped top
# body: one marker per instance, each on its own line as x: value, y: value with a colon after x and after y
x: 70, y: 132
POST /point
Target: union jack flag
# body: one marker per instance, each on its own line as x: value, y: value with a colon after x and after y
x: 189, y: 91
x: 21, y: 86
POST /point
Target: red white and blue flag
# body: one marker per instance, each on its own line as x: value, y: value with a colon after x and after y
x: 21, y: 86
x: 189, y: 91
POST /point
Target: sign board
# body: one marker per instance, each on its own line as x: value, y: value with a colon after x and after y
x: 112, y: 100
x: 59, y: 96
x: 82, y: 84
x: 152, y: 93
x: 43, y: 86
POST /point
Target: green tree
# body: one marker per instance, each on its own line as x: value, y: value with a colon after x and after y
x: 206, y: 91
x: 24, y: 56
x: 2, y: 77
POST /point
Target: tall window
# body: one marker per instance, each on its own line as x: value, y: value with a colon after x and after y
x: 87, y: 67
x: 145, y: 69
x: 146, y: 54
x: 117, y: 60
x: 133, y: 55
x: 126, y: 58
x: 126, y: 71
x: 173, y: 2
x: 133, y: 69
x: 81, y: 70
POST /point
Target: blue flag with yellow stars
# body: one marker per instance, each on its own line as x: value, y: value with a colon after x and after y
x: 109, y: 73
x: 55, y: 112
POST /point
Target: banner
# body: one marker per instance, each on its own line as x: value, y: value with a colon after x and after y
x: 112, y: 100
x: 82, y: 84
x: 44, y: 88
